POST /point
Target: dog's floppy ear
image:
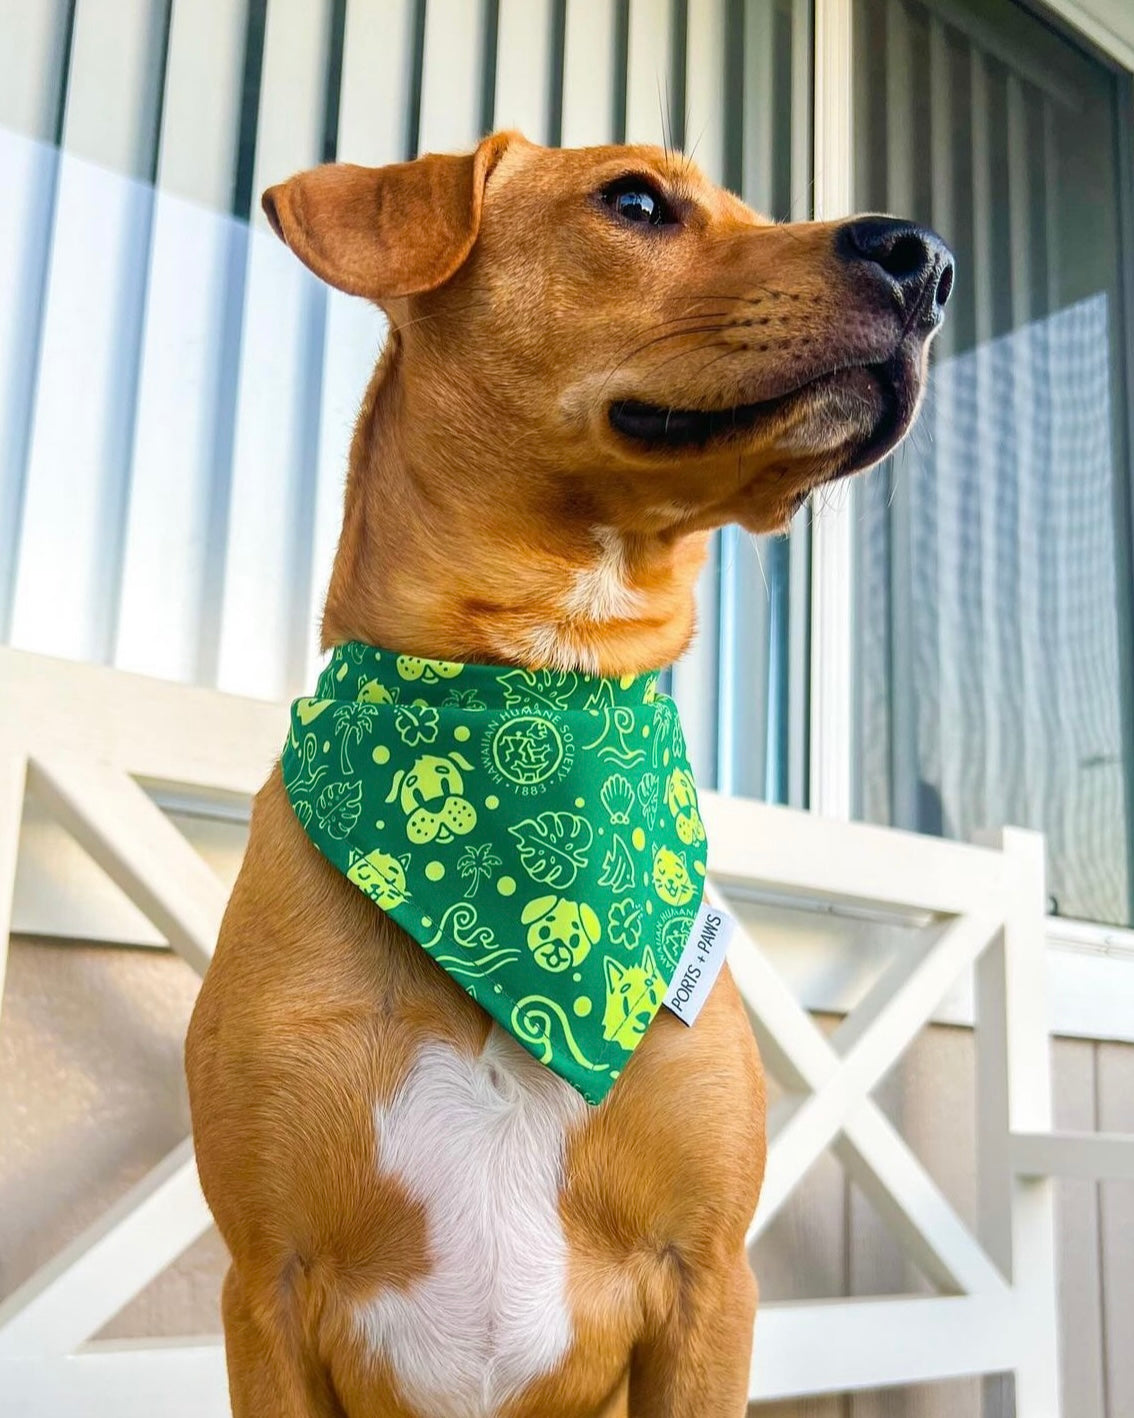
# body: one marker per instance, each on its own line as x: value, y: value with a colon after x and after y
x: 384, y: 232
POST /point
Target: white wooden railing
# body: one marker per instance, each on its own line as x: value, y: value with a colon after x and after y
x: 87, y: 742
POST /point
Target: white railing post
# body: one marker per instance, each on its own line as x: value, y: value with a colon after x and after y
x: 1017, y: 1214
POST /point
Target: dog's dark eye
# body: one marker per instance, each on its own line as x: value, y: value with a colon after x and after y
x: 636, y: 201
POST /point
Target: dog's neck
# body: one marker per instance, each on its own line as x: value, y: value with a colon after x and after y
x: 454, y: 552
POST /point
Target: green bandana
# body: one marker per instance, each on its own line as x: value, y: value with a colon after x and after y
x: 536, y: 831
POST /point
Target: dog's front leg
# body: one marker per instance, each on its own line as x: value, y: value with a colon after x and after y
x: 267, y: 1378
x: 697, y: 1364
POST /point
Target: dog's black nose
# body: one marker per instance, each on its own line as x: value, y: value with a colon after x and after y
x: 913, y: 262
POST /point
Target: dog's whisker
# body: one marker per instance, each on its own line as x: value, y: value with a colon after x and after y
x: 673, y: 320
x: 760, y: 564
x: 732, y: 349
x: 438, y: 314
x: 741, y: 299
x: 660, y: 339
x: 684, y: 354
x: 680, y: 320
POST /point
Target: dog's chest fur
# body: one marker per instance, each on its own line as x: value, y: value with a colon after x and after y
x: 479, y: 1143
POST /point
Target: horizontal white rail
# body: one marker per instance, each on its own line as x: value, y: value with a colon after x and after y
x: 1095, y: 1156
x: 837, y: 1346
x: 184, y: 1379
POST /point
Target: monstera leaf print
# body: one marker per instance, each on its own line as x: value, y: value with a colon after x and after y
x: 552, y: 688
x: 338, y: 807
x: 553, y: 846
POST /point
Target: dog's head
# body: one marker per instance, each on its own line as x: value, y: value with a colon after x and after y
x: 599, y: 347
x: 634, y: 319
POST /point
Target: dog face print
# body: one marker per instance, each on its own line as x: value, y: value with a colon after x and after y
x: 633, y: 995
x: 560, y: 932
x: 431, y: 794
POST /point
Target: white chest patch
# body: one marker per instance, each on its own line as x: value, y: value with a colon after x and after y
x: 479, y: 1143
x: 601, y: 591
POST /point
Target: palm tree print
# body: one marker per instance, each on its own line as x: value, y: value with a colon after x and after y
x: 352, y: 723
x: 476, y: 864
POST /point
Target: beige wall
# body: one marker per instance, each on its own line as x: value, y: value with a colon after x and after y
x: 91, y: 1095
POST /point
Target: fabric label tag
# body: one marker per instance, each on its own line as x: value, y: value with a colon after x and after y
x: 700, y: 962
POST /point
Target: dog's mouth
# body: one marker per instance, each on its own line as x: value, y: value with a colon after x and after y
x: 887, y: 391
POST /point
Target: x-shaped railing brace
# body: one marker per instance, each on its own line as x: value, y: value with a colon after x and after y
x: 839, y: 1075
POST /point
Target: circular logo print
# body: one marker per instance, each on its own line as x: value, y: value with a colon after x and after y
x: 529, y: 751
x: 673, y: 936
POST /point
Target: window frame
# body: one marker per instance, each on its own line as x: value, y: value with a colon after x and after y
x: 832, y: 689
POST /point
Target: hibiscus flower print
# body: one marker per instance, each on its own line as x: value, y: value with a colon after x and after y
x: 624, y: 923
x: 416, y: 724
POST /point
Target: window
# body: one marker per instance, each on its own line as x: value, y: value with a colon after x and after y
x: 755, y: 596
x: 993, y: 635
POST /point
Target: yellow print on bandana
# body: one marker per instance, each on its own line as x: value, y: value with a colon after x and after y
x: 428, y: 671
x: 536, y: 831
x: 672, y: 881
x: 432, y: 797
x: 528, y: 752
x: 560, y: 932
x: 633, y: 994
x: 681, y: 799
x: 381, y: 877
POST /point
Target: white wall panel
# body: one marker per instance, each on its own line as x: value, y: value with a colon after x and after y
x: 523, y: 67
x: 759, y: 126
x: 744, y: 666
x: 32, y: 44
x: 452, y: 75
x: 649, y: 77
x: 1077, y: 1228
x: 373, y: 130
x: 194, y: 248
x: 588, y: 73
x: 983, y: 197
x: 704, y: 87
x: 67, y: 575
x: 947, y: 424
x: 264, y: 630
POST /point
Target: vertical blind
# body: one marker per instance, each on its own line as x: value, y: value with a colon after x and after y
x: 177, y: 394
x: 994, y: 594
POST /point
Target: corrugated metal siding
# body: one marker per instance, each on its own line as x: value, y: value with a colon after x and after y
x: 177, y: 393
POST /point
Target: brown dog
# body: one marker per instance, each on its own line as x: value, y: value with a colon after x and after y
x: 595, y: 358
